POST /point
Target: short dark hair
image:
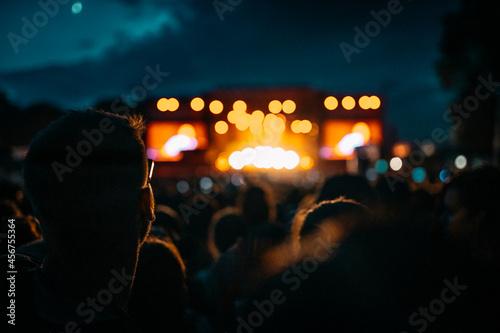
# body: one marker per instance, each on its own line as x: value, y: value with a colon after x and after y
x: 83, y: 175
x: 350, y: 213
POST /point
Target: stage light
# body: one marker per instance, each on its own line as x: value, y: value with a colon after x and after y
x: 348, y: 103
x: 239, y: 106
x: 460, y: 162
x: 374, y: 102
x: 331, y: 103
x: 396, y: 163
x: 275, y: 106
x: 221, y: 127
x: 418, y: 174
x: 289, y: 106
x: 381, y: 166
x: 363, y: 129
x: 187, y: 130
x: 162, y: 104
x: 197, y: 104
x: 216, y: 107
x: 173, y: 104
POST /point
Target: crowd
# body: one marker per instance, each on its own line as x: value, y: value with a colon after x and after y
x: 103, y: 247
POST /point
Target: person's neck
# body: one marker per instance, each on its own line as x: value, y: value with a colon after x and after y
x: 86, y: 289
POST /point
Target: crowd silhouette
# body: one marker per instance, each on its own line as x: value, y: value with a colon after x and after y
x: 96, y: 252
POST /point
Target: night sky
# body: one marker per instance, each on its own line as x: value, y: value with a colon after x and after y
x: 93, y: 50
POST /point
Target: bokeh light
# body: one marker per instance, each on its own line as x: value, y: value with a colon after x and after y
x: 274, y: 106
x: 374, y: 102
x: 348, y: 103
x: 401, y: 150
x: 371, y: 174
x: 363, y: 129
x: 365, y: 102
x: 289, y: 106
x: 264, y: 157
x: 221, y: 127
x: 76, y: 8
x: 197, y: 104
x: 418, y: 174
x: 162, y: 104
x: 187, y: 130
x: 222, y: 162
x: 239, y: 106
x: 396, y: 163
x: 460, y: 162
x: 216, y: 107
x: 182, y: 186
x: 444, y: 175
x: 331, y: 103
x: 173, y: 104
x: 381, y: 166
x: 242, y: 122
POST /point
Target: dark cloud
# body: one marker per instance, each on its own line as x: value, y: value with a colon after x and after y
x: 270, y: 43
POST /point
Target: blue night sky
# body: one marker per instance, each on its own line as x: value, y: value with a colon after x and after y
x: 75, y: 60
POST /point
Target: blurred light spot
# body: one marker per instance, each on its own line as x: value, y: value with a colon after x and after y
x: 305, y: 126
x: 348, y: 103
x: 365, y: 102
x: 460, y: 162
x: 325, y: 152
x: 331, y: 103
x: 152, y: 153
x: 206, y: 183
x: 264, y: 157
x: 349, y: 142
x: 182, y: 186
x: 173, y: 104
x: 178, y: 143
x: 242, y: 122
x: 371, y: 174
x: 418, y: 174
x: 363, y: 129
x: 313, y: 175
x: 77, y: 8
x: 221, y: 127
x: 401, y: 150
x: 374, y: 102
x: 289, y: 106
x: 197, y: 104
x: 237, y: 179
x: 216, y: 107
x: 162, y: 104
x: 222, y: 162
x: 239, y: 106
x: 232, y: 116
x: 396, y: 163
x: 275, y: 106
x: 444, y: 175
x: 257, y: 116
x: 295, y: 126
x: 306, y: 162
x: 274, y: 123
x: 381, y: 166
x: 428, y: 148
x: 187, y: 130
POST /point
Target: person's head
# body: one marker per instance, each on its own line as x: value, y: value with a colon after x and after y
x: 472, y: 198
x: 86, y: 175
x: 228, y: 228
x: 347, y: 186
x: 332, y: 220
x: 257, y: 204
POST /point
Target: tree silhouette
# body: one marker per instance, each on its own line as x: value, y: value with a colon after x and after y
x: 469, y: 50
